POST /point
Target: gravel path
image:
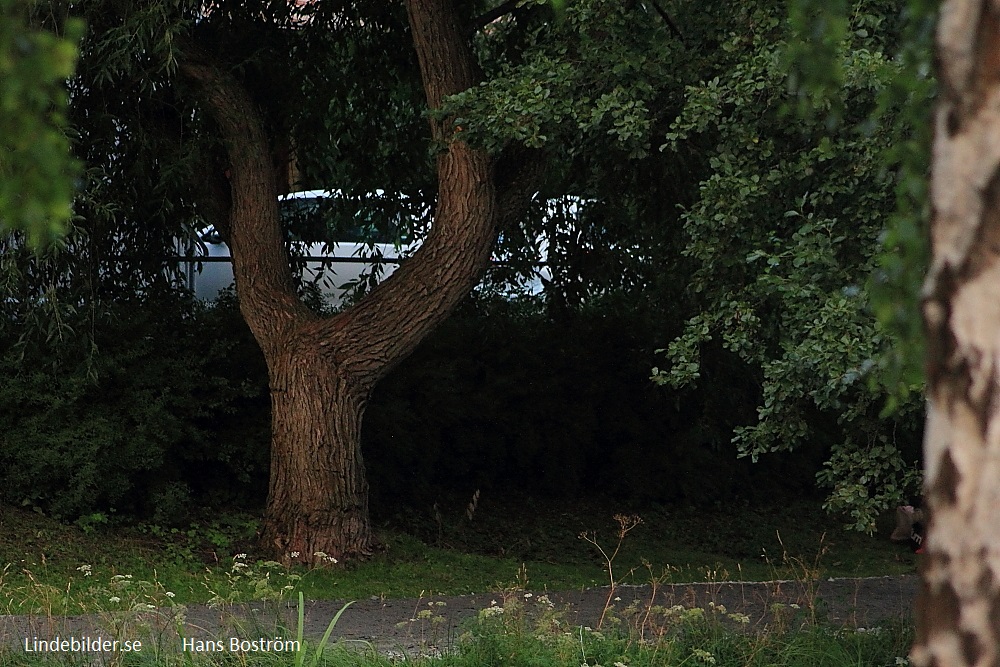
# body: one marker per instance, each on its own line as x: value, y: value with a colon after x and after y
x: 397, y: 625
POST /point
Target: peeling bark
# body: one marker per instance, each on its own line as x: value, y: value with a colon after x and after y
x: 959, y: 609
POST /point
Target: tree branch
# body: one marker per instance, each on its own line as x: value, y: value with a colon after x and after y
x: 518, y: 172
x: 483, y: 20
x: 368, y: 339
x: 260, y: 260
x: 668, y: 20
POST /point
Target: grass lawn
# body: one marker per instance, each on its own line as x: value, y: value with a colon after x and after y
x: 54, y: 568
x: 441, y: 551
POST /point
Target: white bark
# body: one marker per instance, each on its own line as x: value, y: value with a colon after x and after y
x: 959, y: 612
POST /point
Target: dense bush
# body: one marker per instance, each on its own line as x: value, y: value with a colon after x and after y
x: 171, y: 412
x: 512, y: 401
x: 163, y: 412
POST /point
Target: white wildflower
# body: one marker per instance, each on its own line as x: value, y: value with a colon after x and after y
x: 114, y: 599
x: 704, y: 656
x: 491, y: 611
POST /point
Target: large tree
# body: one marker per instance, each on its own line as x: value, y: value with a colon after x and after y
x: 958, y: 613
x: 322, y: 369
x: 160, y: 81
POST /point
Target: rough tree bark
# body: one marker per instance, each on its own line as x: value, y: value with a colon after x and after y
x: 322, y: 370
x: 959, y: 610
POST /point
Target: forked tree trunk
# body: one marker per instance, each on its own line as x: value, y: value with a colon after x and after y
x: 958, y: 621
x: 322, y: 369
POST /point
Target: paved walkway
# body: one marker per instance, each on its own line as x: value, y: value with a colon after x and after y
x: 432, y: 623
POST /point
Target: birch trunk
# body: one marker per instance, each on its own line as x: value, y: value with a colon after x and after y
x: 958, y: 620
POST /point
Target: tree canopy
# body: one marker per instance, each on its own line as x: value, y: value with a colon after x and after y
x: 786, y: 235
x: 736, y: 193
x: 37, y: 175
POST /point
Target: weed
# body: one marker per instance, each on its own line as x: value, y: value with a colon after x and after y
x: 89, y: 523
x: 805, y: 575
x: 256, y: 580
x: 470, y: 509
x: 428, y: 623
x: 626, y: 524
x: 302, y: 646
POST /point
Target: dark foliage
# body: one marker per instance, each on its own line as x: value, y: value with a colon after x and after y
x: 516, y: 402
x: 172, y: 416
x: 167, y: 413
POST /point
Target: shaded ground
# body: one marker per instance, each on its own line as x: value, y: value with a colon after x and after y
x: 438, y: 549
x: 435, y: 623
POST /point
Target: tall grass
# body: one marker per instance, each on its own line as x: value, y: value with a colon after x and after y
x: 534, y: 634
x: 517, y: 628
